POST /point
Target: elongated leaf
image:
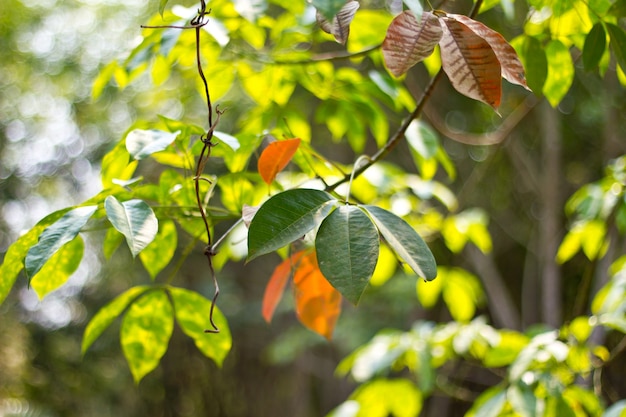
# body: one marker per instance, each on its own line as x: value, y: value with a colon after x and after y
x: 470, y: 63
x: 275, y: 158
x: 116, y: 165
x: 339, y: 26
x: 135, y: 220
x: 55, y: 236
x: 347, y: 245
x: 284, y: 218
x: 595, y: 45
x: 59, y: 268
x: 231, y: 141
x: 618, y: 43
x: 409, y: 40
x: 276, y: 285
x: 328, y: 8
x: 318, y: 304
x: 560, y: 72
x: 192, y: 315
x: 511, y: 67
x: 143, y: 143
x: 533, y: 57
x: 160, y: 251
x: 146, y: 331
x: 105, y: 316
x: 405, y: 241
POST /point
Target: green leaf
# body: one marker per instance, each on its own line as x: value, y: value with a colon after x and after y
x: 492, y: 406
x: 135, y: 220
x: 116, y: 165
x: 522, y: 399
x: 347, y: 246
x: 405, y: 241
x: 58, y: 268
x: 14, y: 256
x: 55, y: 236
x: 533, y: 57
x: 146, y: 331
x: 595, y: 44
x: 284, y: 218
x: 229, y: 140
x: 384, y: 397
x: 160, y: 251
x: 560, y: 72
x: 105, y: 316
x: 618, y: 43
x: 618, y: 9
x: 616, y: 410
x: 143, y: 143
x: 192, y: 315
x: 329, y: 8
x: 162, y: 4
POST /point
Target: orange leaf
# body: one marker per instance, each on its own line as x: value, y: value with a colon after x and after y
x: 470, y: 63
x: 318, y: 304
x: 275, y: 158
x: 276, y: 285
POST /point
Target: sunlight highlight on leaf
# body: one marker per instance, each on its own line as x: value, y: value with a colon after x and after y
x: 59, y: 268
x: 135, y: 220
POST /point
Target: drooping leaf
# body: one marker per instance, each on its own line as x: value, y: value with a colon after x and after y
x: 339, y: 26
x: 231, y: 141
x: 105, y: 316
x: 284, y: 218
x: 146, y: 330
x: 160, y: 251
x: 162, y: 4
x: 58, y: 268
x: 511, y: 67
x: 328, y: 8
x: 143, y: 143
x: 560, y: 72
x: 409, y: 40
x: 55, y: 236
x: 276, y: 285
x: 618, y: 43
x: 275, y: 158
x: 318, y: 304
x: 405, y: 241
x: 470, y: 63
x: 594, y: 47
x: 135, y: 220
x: 347, y: 245
x: 192, y: 315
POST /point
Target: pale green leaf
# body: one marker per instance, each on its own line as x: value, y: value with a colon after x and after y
x: 57, y: 270
x: 328, y: 8
x: 229, y: 140
x: 384, y: 397
x: 143, y: 143
x: 560, y: 72
x: 160, y: 251
x: 135, y: 220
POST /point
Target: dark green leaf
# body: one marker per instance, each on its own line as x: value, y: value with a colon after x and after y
x: 618, y: 43
x: 159, y: 253
x: 192, y: 314
x: 405, y: 241
x: 143, y: 143
x: 284, y: 218
x: 162, y: 4
x: 105, y: 316
x: 56, y: 235
x: 618, y: 9
x: 347, y: 245
x: 135, y: 220
x: 328, y: 8
x: 58, y: 268
x: 595, y: 44
x: 146, y: 331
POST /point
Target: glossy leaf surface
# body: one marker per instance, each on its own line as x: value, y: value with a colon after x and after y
x: 135, y: 220
x: 143, y: 143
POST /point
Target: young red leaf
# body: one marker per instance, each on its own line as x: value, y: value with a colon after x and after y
x: 409, y: 41
x: 511, y: 66
x: 276, y: 285
x: 318, y: 304
x: 470, y: 63
x: 340, y: 25
x: 275, y: 158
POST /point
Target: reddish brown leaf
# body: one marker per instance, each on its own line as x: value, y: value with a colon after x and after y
x: 318, y: 304
x: 409, y: 41
x: 276, y: 285
x: 470, y: 63
x: 512, y: 68
x: 340, y: 26
x: 275, y: 158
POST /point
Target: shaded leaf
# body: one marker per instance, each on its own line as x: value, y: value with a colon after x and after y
x: 135, y: 220
x: 146, y: 331
x: 328, y: 8
x: 511, y: 67
x: 409, y: 40
x: 318, y: 304
x: 55, y: 236
x: 470, y: 63
x: 192, y: 315
x: 284, y: 218
x: 560, y: 72
x: 275, y: 158
x: 160, y: 251
x: 276, y: 285
x: 405, y: 241
x: 347, y: 247
x: 594, y: 47
x: 105, y: 316
x: 339, y: 26
x: 618, y: 43
x: 58, y: 268
x: 143, y: 143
